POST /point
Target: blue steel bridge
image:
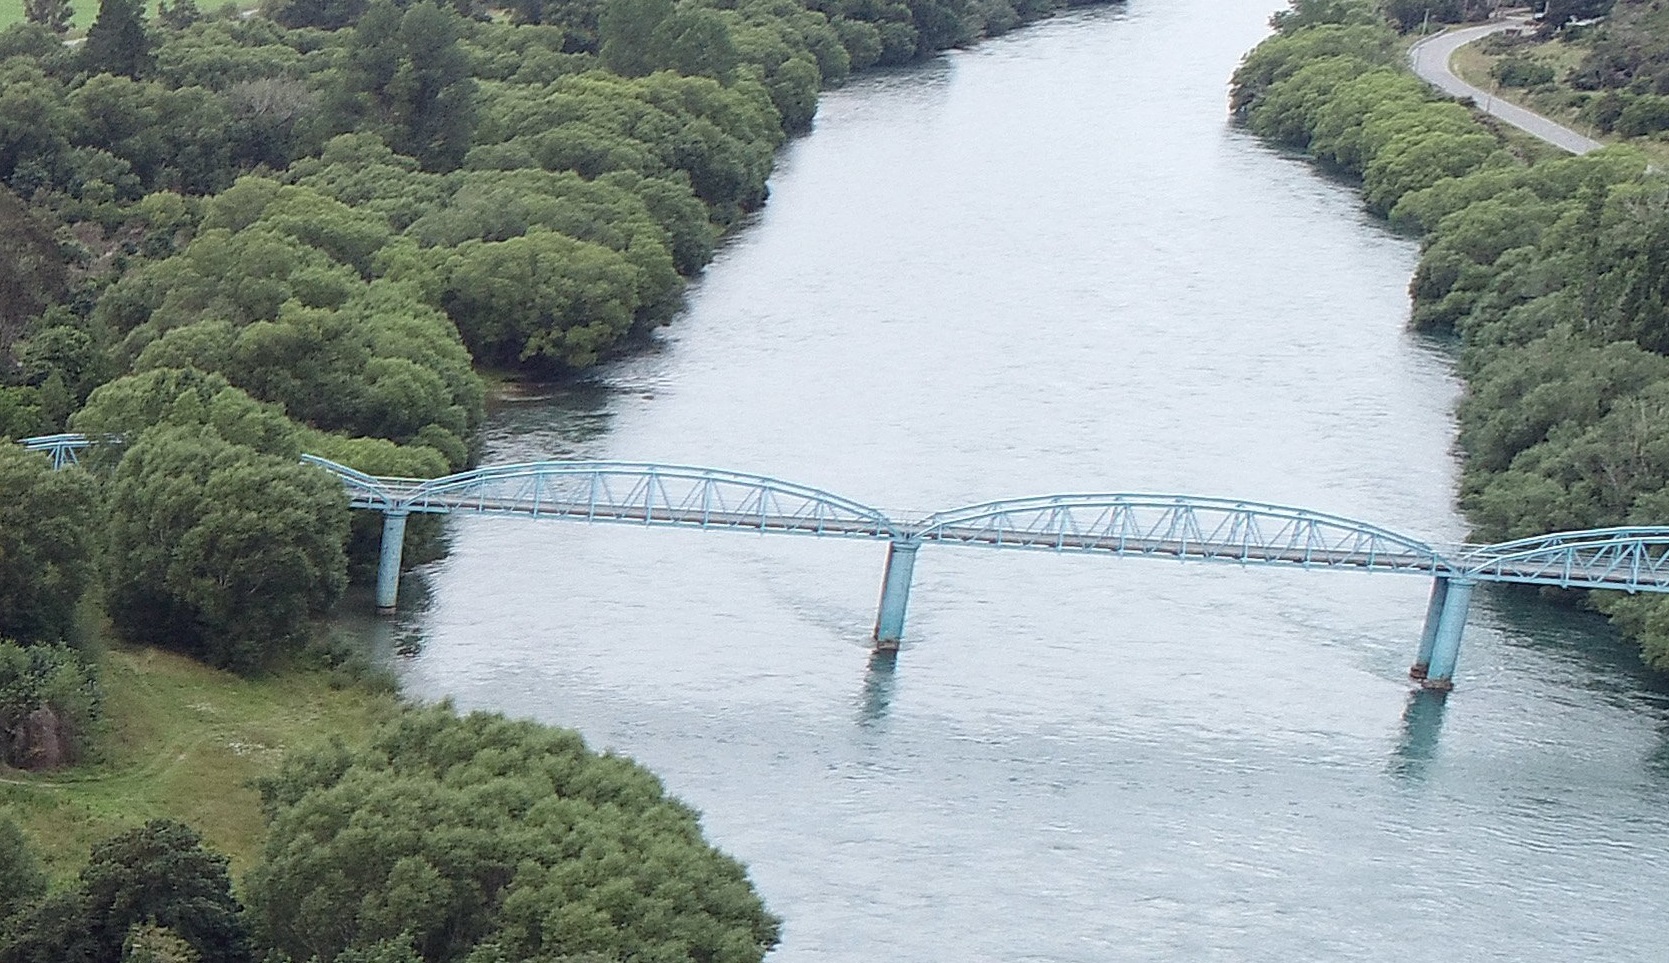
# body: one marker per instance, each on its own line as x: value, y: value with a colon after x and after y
x: 1176, y: 527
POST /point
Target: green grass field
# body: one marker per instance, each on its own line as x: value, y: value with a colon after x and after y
x: 183, y: 741
x: 11, y: 11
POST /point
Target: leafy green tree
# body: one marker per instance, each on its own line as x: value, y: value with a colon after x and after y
x: 117, y: 42
x: 178, y: 15
x: 158, y: 875
x: 219, y: 550
x: 21, y: 879
x: 55, y: 15
x: 693, y: 42
x: 414, y: 78
x: 183, y: 397
x: 48, y: 526
x: 1284, y: 55
x: 626, y: 29
x: 161, y: 873
x: 543, y: 297
x: 1310, y: 13
x: 486, y: 838
x: 150, y: 943
x: 324, y: 14
x: 32, y: 271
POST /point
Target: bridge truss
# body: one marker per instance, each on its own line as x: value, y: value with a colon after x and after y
x: 1180, y: 527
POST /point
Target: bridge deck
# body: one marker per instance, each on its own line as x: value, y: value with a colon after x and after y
x: 1634, y: 559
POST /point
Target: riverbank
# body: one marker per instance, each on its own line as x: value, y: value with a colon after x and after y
x: 1536, y: 266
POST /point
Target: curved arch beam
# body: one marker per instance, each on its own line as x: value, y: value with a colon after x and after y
x: 364, y: 491
x: 1183, y: 527
x: 626, y: 492
x: 1633, y: 559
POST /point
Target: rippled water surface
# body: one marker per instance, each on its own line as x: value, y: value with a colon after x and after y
x: 1050, y: 264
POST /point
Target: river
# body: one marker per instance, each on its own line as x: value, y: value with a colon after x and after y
x: 1051, y: 264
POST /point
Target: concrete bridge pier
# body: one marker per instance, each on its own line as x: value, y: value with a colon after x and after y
x: 388, y: 564
x: 1434, y: 666
x: 895, y: 593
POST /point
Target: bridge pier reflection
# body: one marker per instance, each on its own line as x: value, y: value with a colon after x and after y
x: 1434, y: 666
x: 1422, y: 726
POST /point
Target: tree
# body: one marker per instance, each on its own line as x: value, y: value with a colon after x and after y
x: 55, y: 15
x: 626, y: 29
x: 220, y: 550
x: 324, y: 14
x: 415, y: 80
x: 459, y: 834
x: 178, y: 15
x: 161, y: 873
x: 543, y: 297
x: 21, y: 878
x: 117, y: 42
x: 1310, y: 13
x: 32, y: 271
x: 155, y: 884
x: 47, y: 531
x: 694, y: 42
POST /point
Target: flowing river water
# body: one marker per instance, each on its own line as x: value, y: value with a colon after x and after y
x: 1051, y: 264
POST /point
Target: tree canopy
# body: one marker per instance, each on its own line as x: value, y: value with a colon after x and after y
x: 49, y: 525
x: 479, y: 837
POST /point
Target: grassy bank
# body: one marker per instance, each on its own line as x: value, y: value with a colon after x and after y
x: 183, y: 741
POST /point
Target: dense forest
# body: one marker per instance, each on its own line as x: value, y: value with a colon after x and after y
x: 230, y: 237
x: 1553, y: 275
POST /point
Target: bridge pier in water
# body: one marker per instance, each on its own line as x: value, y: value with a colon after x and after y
x: 895, y: 593
x: 388, y: 563
x: 1434, y: 666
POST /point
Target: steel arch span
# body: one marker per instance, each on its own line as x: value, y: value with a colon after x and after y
x: 635, y: 493
x: 1633, y: 559
x: 1185, y: 528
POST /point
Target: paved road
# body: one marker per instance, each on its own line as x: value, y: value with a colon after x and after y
x: 1430, y: 60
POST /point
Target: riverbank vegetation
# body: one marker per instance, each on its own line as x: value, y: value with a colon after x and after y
x: 1553, y: 275
x: 226, y: 240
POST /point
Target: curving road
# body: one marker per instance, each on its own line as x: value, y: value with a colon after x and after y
x: 1430, y: 60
